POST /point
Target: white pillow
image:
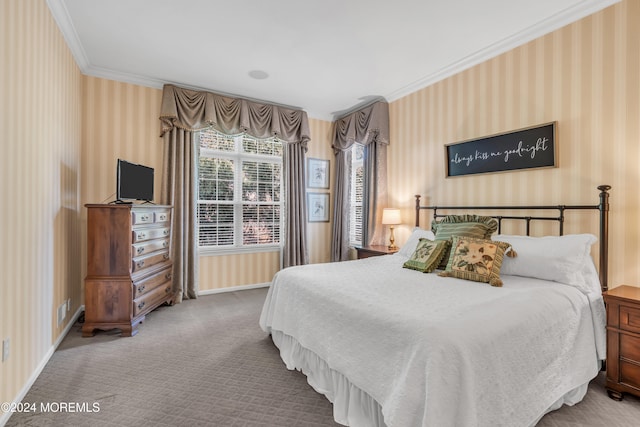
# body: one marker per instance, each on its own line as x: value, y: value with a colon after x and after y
x: 409, y: 248
x: 565, y: 259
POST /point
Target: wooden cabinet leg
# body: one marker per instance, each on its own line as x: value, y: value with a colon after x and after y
x: 88, y: 331
x: 615, y: 395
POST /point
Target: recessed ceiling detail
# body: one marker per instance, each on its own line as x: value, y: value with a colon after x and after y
x: 258, y: 74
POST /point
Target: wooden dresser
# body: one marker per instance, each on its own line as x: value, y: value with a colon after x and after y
x: 623, y: 341
x: 129, y: 266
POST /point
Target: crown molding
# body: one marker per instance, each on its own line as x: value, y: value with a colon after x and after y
x: 585, y: 8
x: 549, y: 25
x: 65, y: 24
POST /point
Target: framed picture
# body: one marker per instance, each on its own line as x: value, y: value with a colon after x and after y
x: 317, y: 173
x: 318, y: 207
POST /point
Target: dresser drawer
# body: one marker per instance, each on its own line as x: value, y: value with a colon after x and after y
x: 162, y: 216
x: 150, y: 283
x: 629, y: 318
x: 150, y: 234
x: 142, y: 217
x: 149, y: 246
x: 146, y: 261
x: 150, y: 299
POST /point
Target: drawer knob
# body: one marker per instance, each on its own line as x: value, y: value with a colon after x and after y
x: 144, y: 217
x: 141, y: 305
x: 162, y: 217
x: 141, y: 288
x: 139, y: 264
x: 165, y: 244
x: 140, y: 250
x: 167, y: 276
x: 166, y: 256
x: 167, y: 290
x: 141, y: 236
x: 166, y: 232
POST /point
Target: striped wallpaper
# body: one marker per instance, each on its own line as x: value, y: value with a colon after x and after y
x: 40, y: 122
x: 585, y: 76
x: 65, y: 131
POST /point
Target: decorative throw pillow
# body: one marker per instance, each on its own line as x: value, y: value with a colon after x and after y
x: 476, y: 259
x: 410, y: 246
x: 427, y: 255
x: 491, y: 224
x: 480, y: 227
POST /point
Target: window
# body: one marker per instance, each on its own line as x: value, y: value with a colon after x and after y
x: 356, y: 194
x: 240, y: 197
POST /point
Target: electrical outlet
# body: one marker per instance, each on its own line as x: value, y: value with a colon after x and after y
x: 62, y: 312
x: 5, y: 349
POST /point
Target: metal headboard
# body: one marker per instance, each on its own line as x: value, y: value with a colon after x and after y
x: 602, y: 206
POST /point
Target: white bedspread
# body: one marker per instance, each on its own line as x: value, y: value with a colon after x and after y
x: 438, y: 351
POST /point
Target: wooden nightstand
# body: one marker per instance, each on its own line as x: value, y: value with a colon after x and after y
x: 374, y: 250
x: 623, y: 341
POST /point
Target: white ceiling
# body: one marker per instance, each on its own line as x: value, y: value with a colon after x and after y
x: 324, y: 56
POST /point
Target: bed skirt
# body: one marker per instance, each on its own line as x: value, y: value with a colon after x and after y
x: 351, y: 405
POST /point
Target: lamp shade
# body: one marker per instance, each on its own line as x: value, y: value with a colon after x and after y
x: 391, y: 216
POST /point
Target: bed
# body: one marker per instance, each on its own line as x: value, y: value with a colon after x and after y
x: 392, y: 346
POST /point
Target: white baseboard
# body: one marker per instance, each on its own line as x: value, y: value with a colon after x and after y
x: 4, y: 418
x: 234, y: 288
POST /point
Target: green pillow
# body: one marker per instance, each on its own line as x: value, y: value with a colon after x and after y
x: 479, y: 227
x: 427, y: 255
x: 490, y: 223
x: 476, y: 259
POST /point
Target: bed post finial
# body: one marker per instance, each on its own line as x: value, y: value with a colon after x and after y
x: 417, y: 196
x: 604, y: 236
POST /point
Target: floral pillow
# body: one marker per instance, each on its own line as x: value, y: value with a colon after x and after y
x: 427, y: 255
x: 448, y: 226
x: 476, y: 259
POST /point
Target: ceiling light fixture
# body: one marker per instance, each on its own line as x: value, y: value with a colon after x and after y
x: 258, y: 74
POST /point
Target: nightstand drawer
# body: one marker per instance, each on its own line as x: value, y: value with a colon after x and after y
x: 629, y: 318
x: 629, y: 347
x: 630, y: 374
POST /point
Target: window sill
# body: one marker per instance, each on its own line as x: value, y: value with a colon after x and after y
x: 204, y: 251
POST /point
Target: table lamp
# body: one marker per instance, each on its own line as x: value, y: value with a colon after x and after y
x: 391, y: 217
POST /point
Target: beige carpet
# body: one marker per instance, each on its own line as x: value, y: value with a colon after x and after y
x: 206, y: 362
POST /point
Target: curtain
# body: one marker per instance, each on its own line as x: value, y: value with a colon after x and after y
x: 183, y: 111
x: 179, y: 189
x: 341, y: 212
x: 375, y: 192
x: 295, y: 245
x: 368, y: 126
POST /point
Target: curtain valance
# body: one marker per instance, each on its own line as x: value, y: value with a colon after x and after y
x: 193, y: 110
x: 366, y: 125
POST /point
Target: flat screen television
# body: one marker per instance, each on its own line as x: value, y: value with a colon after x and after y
x: 134, y: 182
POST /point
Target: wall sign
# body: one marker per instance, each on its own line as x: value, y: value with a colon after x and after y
x: 528, y: 148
